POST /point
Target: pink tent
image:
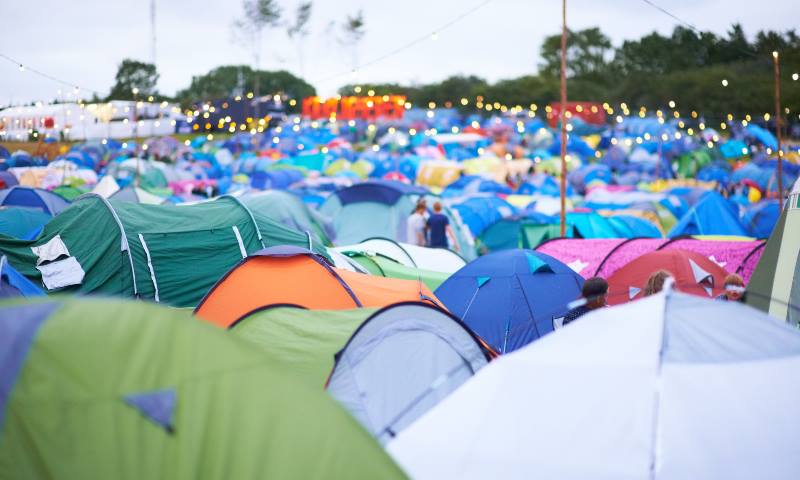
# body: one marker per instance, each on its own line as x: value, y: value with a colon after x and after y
x: 603, y: 257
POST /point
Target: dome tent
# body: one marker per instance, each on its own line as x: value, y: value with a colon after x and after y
x: 164, y: 253
x: 692, y: 273
x: 158, y: 404
x: 36, y: 198
x: 669, y: 387
x: 510, y: 298
x: 400, y: 362
x: 413, y: 256
x: 293, y: 275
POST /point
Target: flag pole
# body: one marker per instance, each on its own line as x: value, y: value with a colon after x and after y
x: 563, y: 117
x: 776, y: 63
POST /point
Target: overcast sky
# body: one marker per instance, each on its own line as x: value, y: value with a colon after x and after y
x: 82, y: 41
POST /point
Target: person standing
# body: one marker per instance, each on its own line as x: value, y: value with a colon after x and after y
x: 595, y: 292
x: 415, y: 224
x: 440, y: 230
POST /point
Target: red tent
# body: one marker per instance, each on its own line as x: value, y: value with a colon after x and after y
x: 693, y: 273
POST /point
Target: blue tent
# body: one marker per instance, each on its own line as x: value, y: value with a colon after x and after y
x: 712, y: 215
x: 275, y: 179
x: 762, y: 135
x: 22, y: 223
x: 7, y: 179
x: 4, y: 153
x: 470, y: 184
x: 591, y: 225
x: 760, y: 218
x: 43, y: 200
x: 479, y: 212
x: 629, y: 226
x: 734, y: 149
x: 510, y: 298
x: 14, y: 284
x: 586, y: 174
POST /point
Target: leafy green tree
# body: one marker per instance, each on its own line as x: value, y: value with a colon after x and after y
x: 222, y: 81
x: 587, y: 52
x: 133, y: 74
x: 353, y: 30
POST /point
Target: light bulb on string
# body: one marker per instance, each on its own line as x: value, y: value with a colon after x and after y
x: 435, y: 36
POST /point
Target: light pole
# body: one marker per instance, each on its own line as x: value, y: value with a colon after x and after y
x: 135, y: 131
x: 777, y: 65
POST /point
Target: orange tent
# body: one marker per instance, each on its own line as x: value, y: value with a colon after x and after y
x: 295, y: 276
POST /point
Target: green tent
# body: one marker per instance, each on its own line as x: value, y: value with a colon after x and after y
x: 19, y: 222
x: 68, y: 192
x: 513, y: 233
x: 110, y: 389
x: 386, y: 267
x: 776, y: 279
x: 167, y: 253
x: 288, y: 209
x: 305, y: 341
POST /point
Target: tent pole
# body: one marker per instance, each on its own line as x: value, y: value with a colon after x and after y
x: 563, y: 117
x: 776, y: 63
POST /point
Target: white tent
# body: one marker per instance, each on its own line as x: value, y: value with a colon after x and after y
x: 435, y: 259
x: 669, y: 387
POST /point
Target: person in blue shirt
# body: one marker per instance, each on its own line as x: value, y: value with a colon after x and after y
x: 439, y: 229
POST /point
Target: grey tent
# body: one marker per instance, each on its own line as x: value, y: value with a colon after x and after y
x: 775, y: 284
x: 402, y: 361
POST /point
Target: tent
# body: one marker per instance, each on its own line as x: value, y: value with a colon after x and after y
x: 130, y: 390
x: 304, y: 341
x: 372, y: 208
x: 37, y: 198
x: 401, y: 362
x: 7, y: 179
x: 775, y: 284
x: 106, y: 187
x: 760, y: 218
x: 692, y: 272
x: 414, y: 256
x: 377, y: 264
x: 289, y: 209
x: 669, y: 387
x: 136, y: 195
x: 526, y: 230
x: 603, y: 257
x: 14, y: 284
x: 296, y: 276
x: 511, y: 298
x: 22, y: 222
x: 166, y: 253
x: 711, y: 215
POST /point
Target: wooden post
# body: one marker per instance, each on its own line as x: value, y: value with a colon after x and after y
x: 776, y: 63
x: 563, y: 118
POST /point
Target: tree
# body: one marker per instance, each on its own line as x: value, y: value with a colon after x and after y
x: 298, y: 30
x: 221, y: 81
x: 353, y: 30
x: 134, y: 74
x: 587, y: 52
x: 259, y: 15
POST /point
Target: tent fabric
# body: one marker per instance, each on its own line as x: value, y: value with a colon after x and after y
x: 170, y: 254
x: 289, y: 210
x: 387, y: 192
x: 21, y: 222
x: 69, y: 413
x: 775, y: 284
x: 402, y: 361
x: 603, y: 257
x: 673, y: 376
x: 511, y: 298
x: 692, y: 273
x: 14, y: 284
x: 304, y: 341
x: 295, y: 276
x: 382, y: 266
x: 36, y: 198
x: 137, y: 195
x: 712, y: 214
x: 414, y: 256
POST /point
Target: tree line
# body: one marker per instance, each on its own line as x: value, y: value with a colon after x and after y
x: 686, y: 67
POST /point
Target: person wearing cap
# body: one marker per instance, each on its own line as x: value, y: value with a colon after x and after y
x: 595, y: 293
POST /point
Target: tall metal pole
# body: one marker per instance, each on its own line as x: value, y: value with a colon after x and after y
x: 563, y: 118
x: 776, y: 63
x: 153, y: 31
